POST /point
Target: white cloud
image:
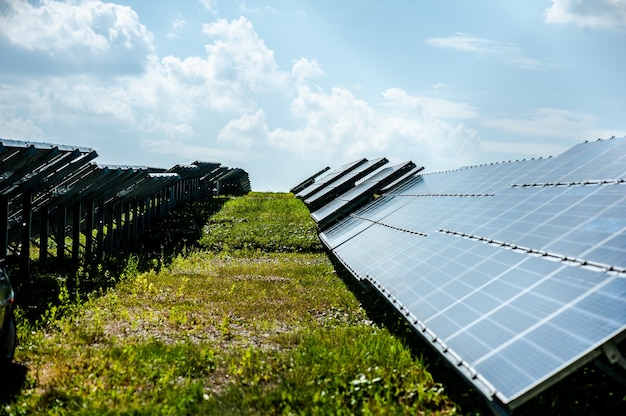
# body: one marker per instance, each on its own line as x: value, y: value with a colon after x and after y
x: 178, y: 24
x: 521, y: 150
x: 607, y: 14
x: 239, y: 55
x: 259, y: 10
x: 238, y: 68
x: 338, y: 123
x: 175, y: 132
x: 204, y: 83
x: 67, y: 101
x: 78, y: 36
x: 432, y: 107
x: 552, y: 123
x: 304, y: 69
x: 166, y: 99
x: 203, y: 151
x: 508, y: 53
x: 81, y: 97
x: 20, y: 129
x: 209, y: 5
x: 245, y: 131
x: 239, y: 87
x: 332, y: 122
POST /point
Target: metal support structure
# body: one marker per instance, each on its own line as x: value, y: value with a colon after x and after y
x: 46, y: 187
x: 145, y: 214
x: 4, y: 225
x: 61, y: 213
x: 100, y: 218
x: 43, y: 237
x: 114, y: 229
x: 613, y: 354
x: 76, y: 234
x: 126, y: 229
x: 88, y: 228
x: 26, y: 232
x: 134, y: 232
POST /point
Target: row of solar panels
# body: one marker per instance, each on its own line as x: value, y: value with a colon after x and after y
x: 515, y: 272
x: 50, y: 191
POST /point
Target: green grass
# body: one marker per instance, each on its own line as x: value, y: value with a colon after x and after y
x: 265, y: 221
x: 253, y: 320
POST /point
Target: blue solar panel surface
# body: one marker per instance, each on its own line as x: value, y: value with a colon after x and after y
x: 516, y: 271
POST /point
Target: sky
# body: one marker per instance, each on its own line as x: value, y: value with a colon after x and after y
x: 283, y: 88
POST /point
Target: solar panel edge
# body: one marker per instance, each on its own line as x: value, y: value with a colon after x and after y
x: 333, y: 247
x: 543, y: 384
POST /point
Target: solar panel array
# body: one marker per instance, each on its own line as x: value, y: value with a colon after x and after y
x: 55, y: 192
x: 515, y: 272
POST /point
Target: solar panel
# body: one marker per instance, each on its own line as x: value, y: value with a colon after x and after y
x: 329, y: 178
x: 515, y: 272
x: 361, y: 194
x: 343, y: 183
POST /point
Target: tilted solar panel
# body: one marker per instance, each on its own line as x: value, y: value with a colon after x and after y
x: 515, y: 272
x: 329, y: 178
x: 361, y: 194
x: 343, y: 183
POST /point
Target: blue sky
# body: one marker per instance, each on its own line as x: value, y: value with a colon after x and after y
x: 282, y: 88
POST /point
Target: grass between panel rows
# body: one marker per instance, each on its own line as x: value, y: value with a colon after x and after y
x: 253, y: 321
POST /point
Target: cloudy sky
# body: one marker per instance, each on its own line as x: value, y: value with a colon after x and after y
x: 282, y: 88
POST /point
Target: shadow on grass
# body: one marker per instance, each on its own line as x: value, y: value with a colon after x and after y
x: 181, y: 230
x: 587, y: 391
x: 12, y: 380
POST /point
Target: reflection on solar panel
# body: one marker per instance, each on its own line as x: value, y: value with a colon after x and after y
x: 515, y: 272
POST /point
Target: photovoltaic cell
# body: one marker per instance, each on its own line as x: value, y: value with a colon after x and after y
x: 515, y: 271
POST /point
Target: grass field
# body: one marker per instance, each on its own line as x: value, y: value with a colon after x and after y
x: 234, y: 308
x: 252, y: 320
